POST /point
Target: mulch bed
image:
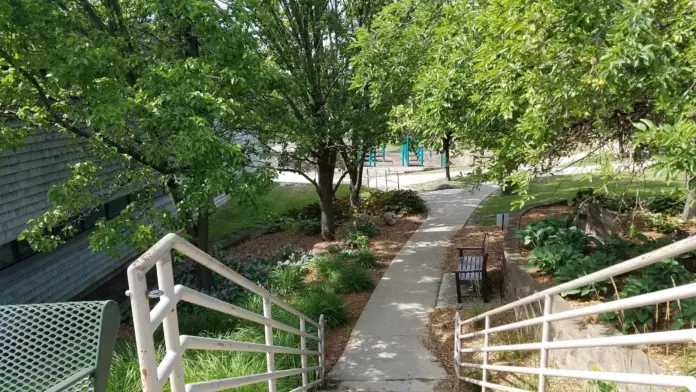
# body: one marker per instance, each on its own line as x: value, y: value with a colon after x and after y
x: 385, y: 245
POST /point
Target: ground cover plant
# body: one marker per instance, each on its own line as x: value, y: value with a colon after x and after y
x: 565, y: 253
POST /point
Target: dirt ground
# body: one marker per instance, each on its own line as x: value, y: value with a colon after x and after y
x: 385, y: 245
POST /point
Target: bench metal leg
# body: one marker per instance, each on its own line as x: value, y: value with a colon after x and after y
x: 484, y: 287
x: 459, y: 290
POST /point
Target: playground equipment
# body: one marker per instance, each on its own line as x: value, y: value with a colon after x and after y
x: 372, y: 156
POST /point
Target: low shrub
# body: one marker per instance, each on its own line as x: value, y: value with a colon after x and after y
x: 312, y: 212
x: 404, y: 201
x: 355, y: 240
x: 366, y: 227
x: 577, y: 268
x: 278, y: 223
x: 538, y: 232
x: 316, y: 300
x: 568, y: 236
x: 287, y: 280
x: 310, y: 226
x: 195, y: 320
x: 655, y: 277
x: 552, y: 257
x: 365, y: 258
x: 663, y: 223
x: 684, y: 316
x: 333, y: 248
x: 617, y: 246
x: 670, y: 203
x: 398, y: 201
x: 350, y: 278
x: 325, y: 265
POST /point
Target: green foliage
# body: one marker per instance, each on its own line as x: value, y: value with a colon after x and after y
x: 538, y: 82
x: 333, y: 248
x: 579, y: 267
x: 538, y: 232
x: 671, y: 204
x: 287, y: 280
x: 326, y: 265
x: 402, y: 201
x: 367, y: 227
x: 663, y: 223
x: 476, y: 308
x: 617, y: 246
x: 310, y: 227
x: 551, y: 258
x: 655, y: 277
x: 601, y: 386
x: 569, y: 236
x: 365, y: 258
x: 275, y: 224
x: 685, y: 313
x: 145, y: 113
x: 355, y: 239
x: 318, y: 299
x: 350, y: 278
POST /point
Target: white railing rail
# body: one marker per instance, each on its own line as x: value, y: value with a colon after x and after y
x: 546, y: 297
x: 154, y: 376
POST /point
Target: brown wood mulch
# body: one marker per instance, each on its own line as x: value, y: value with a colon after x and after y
x: 386, y: 244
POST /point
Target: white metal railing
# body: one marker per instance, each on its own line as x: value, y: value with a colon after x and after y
x: 154, y: 376
x: 672, y: 294
x: 387, y: 173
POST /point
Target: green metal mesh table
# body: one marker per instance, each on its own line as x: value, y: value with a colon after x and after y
x: 57, y: 347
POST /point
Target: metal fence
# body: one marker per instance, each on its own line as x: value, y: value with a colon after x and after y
x: 389, y: 177
x: 154, y: 376
x: 546, y: 297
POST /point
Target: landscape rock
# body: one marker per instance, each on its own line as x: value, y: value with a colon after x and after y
x: 442, y: 187
x: 597, y: 221
x: 389, y: 218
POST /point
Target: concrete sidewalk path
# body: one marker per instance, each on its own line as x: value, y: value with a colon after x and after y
x: 385, y: 351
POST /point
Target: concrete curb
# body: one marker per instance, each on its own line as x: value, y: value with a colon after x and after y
x: 519, y: 284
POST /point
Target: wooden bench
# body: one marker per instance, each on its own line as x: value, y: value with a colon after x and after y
x: 473, y: 268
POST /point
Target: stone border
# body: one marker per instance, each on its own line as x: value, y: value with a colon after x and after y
x: 519, y: 284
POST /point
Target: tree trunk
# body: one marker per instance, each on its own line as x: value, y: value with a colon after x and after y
x: 204, y: 275
x: 446, y: 146
x: 326, y: 169
x: 690, y: 205
x: 355, y: 172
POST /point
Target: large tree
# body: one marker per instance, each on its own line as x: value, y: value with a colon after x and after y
x: 158, y: 89
x: 313, y: 116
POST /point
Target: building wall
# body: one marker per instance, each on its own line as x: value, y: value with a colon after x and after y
x: 25, y: 177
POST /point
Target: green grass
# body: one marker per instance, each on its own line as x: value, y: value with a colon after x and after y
x: 565, y: 187
x: 234, y: 217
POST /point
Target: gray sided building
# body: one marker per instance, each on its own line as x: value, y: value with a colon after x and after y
x: 72, y: 269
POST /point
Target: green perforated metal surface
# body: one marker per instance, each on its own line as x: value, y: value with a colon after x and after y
x: 43, y: 345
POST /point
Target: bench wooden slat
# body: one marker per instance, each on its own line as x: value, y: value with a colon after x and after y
x: 472, y: 268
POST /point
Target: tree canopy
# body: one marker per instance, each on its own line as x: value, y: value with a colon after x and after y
x: 531, y: 81
x: 159, y: 89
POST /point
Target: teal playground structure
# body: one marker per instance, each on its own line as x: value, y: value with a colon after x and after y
x: 411, y: 144
x: 372, y: 156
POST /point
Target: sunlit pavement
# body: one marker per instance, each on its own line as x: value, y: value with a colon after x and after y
x: 386, y: 350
